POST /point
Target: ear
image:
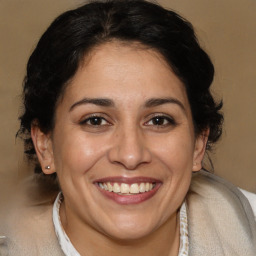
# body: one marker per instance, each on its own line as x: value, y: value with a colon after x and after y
x: 200, y: 147
x: 43, y: 146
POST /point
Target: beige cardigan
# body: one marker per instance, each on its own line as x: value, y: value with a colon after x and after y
x: 220, y: 220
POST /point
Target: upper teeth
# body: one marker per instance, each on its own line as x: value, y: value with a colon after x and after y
x: 124, y: 188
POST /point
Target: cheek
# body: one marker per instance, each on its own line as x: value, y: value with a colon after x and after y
x: 175, y: 151
x: 76, y: 154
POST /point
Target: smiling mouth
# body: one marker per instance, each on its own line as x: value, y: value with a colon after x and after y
x: 127, y: 189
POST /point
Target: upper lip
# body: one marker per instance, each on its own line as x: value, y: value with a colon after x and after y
x: 127, y: 180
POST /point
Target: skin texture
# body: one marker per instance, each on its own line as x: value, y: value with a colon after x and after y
x: 127, y: 142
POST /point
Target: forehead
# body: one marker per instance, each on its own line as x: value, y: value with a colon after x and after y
x: 121, y: 71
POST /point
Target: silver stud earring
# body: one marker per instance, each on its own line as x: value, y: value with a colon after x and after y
x: 48, y: 167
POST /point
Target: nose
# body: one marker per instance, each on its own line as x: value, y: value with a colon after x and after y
x: 129, y: 149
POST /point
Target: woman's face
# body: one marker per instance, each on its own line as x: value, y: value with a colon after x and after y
x: 123, y: 124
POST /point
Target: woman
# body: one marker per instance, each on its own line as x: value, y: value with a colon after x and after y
x: 118, y: 111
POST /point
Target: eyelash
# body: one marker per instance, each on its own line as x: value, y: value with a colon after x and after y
x: 94, y: 117
x: 165, y: 121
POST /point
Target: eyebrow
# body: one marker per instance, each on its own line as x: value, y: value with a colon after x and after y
x: 154, y: 102
x: 97, y: 101
x: 104, y: 102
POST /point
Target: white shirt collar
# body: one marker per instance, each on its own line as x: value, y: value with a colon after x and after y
x: 65, y: 244
x: 69, y: 250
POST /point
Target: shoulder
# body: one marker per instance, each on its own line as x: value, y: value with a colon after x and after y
x: 28, y: 229
x: 210, y: 188
x: 210, y: 185
x: 220, y: 215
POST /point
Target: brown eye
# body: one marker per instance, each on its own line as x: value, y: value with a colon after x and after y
x: 158, y: 120
x: 161, y: 121
x: 94, y: 121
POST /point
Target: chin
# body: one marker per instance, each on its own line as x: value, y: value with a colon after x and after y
x: 129, y: 230
x: 130, y: 235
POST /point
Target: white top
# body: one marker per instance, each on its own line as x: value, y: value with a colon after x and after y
x: 252, y: 200
x: 65, y: 244
x: 69, y: 250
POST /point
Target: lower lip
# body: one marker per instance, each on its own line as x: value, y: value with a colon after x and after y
x: 130, y: 199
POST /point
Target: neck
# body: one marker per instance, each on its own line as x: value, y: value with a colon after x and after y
x: 88, y: 241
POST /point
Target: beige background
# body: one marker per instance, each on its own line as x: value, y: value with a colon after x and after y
x: 226, y: 29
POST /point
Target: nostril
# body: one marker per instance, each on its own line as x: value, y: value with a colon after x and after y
x: 129, y: 149
x: 130, y: 160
